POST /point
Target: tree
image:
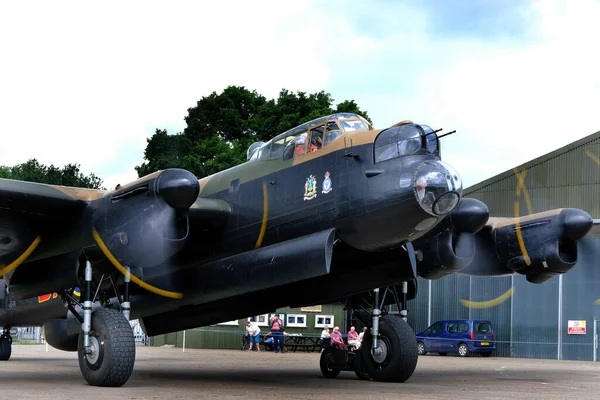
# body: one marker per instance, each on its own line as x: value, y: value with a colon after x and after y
x: 33, y: 171
x: 221, y: 127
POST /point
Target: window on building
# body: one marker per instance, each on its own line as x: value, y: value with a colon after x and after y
x: 324, y: 320
x: 261, y: 320
x: 230, y: 323
x: 296, y: 320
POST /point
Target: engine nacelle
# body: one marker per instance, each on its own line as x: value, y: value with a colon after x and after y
x: 146, y: 222
x: 539, y: 246
x: 450, y: 246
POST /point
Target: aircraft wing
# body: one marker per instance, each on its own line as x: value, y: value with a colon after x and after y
x: 33, y: 216
x: 539, y: 246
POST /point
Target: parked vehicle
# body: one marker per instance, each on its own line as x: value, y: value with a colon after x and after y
x: 458, y: 336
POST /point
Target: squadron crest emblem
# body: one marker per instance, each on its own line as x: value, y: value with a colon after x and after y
x: 310, y: 188
x: 327, y: 184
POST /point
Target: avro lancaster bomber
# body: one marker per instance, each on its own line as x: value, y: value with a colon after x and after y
x: 330, y: 211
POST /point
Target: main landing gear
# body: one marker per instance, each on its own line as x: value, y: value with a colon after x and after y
x: 106, y: 347
x: 5, y: 345
x: 388, y: 352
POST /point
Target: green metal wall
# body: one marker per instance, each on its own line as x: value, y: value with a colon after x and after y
x: 230, y: 337
x: 532, y: 321
x: 567, y: 177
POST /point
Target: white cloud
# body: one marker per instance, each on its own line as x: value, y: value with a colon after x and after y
x: 88, y: 83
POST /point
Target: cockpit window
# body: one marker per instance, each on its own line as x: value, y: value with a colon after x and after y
x: 332, y: 132
x: 352, y: 125
x: 297, y: 141
x: 277, y: 146
x: 316, y: 138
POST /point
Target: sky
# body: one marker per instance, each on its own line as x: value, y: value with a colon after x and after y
x: 89, y: 82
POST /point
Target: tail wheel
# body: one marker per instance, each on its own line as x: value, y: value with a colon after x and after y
x: 5, y: 348
x: 421, y: 348
x: 360, y: 368
x: 112, y: 356
x: 463, y: 350
x: 326, y: 357
x: 397, y: 354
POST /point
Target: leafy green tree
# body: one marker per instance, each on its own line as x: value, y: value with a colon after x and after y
x: 33, y: 171
x: 221, y: 127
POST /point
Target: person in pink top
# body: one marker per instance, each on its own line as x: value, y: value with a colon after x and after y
x: 337, y: 340
x: 353, y: 338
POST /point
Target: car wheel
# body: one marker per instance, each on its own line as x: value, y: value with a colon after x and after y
x: 421, y: 348
x: 463, y: 350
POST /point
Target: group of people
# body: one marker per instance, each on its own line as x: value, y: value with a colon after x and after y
x: 276, y: 332
x: 336, y: 339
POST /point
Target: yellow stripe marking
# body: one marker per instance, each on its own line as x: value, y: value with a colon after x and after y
x: 142, y: 284
x: 490, y: 303
x: 520, y: 236
x: 592, y: 156
x: 22, y: 257
x: 265, y: 217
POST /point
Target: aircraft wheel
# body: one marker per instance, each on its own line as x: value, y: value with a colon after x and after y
x: 111, y: 360
x: 397, y: 355
x: 360, y: 368
x: 5, y: 348
x: 324, y: 362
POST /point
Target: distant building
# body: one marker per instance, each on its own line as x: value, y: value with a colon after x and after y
x: 308, y: 321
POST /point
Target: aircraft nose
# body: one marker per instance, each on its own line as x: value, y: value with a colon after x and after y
x: 437, y: 186
x: 576, y: 223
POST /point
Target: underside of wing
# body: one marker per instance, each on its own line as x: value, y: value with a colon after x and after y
x: 34, y: 216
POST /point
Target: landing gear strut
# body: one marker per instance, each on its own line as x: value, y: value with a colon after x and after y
x: 106, y: 346
x: 5, y: 345
x: 388, y: 352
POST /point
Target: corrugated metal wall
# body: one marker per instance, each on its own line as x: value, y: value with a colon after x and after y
x: 527, y: 322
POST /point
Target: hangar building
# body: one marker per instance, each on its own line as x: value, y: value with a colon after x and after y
x: 531, y: 319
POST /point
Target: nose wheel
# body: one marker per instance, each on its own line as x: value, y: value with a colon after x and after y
x: 109, y: 358
x: 395, y: 357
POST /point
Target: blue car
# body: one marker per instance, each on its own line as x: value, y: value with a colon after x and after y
x: 460, y: 336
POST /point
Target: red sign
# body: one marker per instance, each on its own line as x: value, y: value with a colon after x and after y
x: 576, y: 327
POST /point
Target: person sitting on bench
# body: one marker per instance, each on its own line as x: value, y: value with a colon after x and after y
x: 336, y: 339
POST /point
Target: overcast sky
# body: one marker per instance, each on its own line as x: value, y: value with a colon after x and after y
x: 87, y: 83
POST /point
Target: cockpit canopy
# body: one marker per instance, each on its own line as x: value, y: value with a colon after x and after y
x: 322, y: 131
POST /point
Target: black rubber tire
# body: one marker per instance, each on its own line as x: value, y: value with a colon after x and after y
x: 360, y: 369
x: 421, y: 348
x: 466, y: 349
x: 324, y: 364
x: 402, y: 353
x: 5, y: 349
x: 486, y: 354
x: 116, y: 358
